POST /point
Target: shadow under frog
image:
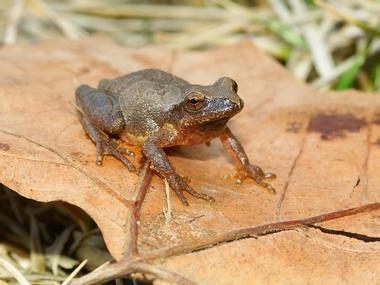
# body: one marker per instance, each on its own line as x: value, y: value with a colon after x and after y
x: 156, y: 110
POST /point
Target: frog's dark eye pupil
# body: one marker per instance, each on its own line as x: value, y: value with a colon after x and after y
x: 194, y: 101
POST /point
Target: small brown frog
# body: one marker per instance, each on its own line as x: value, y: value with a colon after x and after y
x: 155, y: 109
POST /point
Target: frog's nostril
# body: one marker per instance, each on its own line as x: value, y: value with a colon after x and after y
x: 237, y: 101
x: 241, y: 105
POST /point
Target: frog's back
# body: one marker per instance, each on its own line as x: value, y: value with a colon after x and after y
x: 145, y: 97
x: 146, y: 78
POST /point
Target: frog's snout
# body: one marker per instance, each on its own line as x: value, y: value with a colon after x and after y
x: 241, y: 103
x: 238, y: 102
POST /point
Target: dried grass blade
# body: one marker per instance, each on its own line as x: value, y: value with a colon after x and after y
x: 74, y: 273
x: 37, y: 258
x: 14, y: 271
x: 321, y: 57
x: 15, y: 16
x: 56, y: 248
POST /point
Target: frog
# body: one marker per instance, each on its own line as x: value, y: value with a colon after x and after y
x: 155, y: 110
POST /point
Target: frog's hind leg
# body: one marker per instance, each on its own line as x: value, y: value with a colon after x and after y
x: 104, y: 145
x: 101, y: 116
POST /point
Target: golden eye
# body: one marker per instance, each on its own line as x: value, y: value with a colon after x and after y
x: 195, y: 100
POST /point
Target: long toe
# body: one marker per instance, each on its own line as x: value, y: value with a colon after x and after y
x: 270, y: 175
x: 120, y: 156
x: 99, y: 159
x: 268, y: 187
x: 199, y: 195
x: 99, y: 152
x: 182, y: 198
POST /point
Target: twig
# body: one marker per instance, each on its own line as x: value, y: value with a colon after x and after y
x: 258, y: 231
x: 102, y: 266
x: 162, y: 273
x: 107, y: 273
x: 142, y: 186
x: 131, y: 263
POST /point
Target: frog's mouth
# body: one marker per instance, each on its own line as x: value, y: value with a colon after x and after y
x: 216, y: 124
x: 225, y: 116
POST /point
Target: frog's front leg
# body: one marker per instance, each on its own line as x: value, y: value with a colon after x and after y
x: 101, y: 116
x: 153, y: 151
x: 244, y: 167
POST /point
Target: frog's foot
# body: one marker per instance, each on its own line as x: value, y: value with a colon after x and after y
x: 179, y: 185
x: 257, y: 174
x: 104, y: 144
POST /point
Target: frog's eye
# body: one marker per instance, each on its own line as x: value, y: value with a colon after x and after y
x: 234, y: 85
x: 195, y: 100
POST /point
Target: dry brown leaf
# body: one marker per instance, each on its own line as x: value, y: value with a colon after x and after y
x: 325, y: 149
